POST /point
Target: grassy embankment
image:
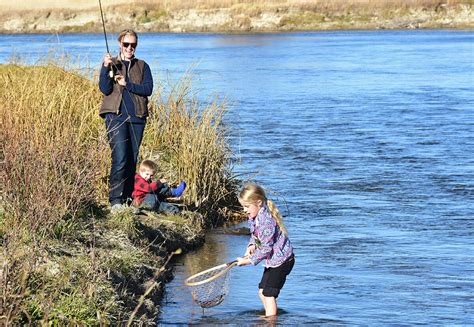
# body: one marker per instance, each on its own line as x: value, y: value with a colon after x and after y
x: 65, y: 259
x: 234, y: 15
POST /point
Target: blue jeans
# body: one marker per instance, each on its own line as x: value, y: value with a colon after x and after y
x: 152, y: 202
x: 124, y: 140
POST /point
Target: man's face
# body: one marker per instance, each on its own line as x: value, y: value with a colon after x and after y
x: 127, y: 46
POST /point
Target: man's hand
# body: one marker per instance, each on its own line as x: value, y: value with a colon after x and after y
x: 107, y: 59
x: 120, y: 80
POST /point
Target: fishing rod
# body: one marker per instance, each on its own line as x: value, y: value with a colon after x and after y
x: 111, y: 72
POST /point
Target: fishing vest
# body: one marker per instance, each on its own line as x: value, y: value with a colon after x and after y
x: 111, y: 102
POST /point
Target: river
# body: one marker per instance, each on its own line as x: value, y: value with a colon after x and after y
x: 365, y: 140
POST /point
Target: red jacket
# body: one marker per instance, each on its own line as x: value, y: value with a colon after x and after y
x: 142, y: 187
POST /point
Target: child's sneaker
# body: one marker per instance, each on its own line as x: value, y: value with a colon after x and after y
x: 176, y: 192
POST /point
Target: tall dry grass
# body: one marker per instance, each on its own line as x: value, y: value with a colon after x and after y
x: 52, y: 158
x: 54, y: 161
x: 55, y: 157
x: 190, y: 138
x: 52, y: 150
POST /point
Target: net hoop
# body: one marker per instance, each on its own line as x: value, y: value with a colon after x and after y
x: 189, y: 280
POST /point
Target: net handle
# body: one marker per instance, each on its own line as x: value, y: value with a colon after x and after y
x: 228, y: 266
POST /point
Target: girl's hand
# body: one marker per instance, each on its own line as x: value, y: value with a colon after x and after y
x: 250, y: 250
x: 242, y: 261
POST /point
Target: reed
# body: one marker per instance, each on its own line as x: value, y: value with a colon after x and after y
x: 52, y: 157
x: 191, y: 141
x: 52, y: 149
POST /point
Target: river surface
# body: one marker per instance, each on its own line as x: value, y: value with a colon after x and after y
x: 365, y: 140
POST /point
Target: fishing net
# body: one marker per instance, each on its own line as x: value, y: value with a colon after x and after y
x: 209, y: 287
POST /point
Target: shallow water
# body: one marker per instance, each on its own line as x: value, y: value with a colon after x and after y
x: 365, y: 140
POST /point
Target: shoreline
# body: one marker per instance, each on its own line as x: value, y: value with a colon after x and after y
x: 236, y: 21
x: 110, y: 34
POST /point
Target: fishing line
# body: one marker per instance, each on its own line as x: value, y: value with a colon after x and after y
x: 103, y: 27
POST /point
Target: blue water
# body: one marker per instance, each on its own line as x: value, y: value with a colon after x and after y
x: 365, y: 139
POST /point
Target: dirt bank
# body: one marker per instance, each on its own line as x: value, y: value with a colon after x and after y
x: 234, y: 19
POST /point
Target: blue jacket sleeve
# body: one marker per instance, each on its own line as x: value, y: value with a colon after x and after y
x: 146, y: 87
x: 106, y: 84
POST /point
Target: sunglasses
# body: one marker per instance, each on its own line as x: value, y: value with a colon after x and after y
x: 127, y: 44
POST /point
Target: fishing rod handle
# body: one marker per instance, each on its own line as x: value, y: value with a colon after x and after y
x: 111, y: 71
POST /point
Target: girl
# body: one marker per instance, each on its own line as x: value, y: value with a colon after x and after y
x: 269, y: 241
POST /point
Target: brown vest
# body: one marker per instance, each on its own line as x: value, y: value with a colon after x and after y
x: 111, y: 102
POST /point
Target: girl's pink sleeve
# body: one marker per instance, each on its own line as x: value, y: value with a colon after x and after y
x: 251, y: 241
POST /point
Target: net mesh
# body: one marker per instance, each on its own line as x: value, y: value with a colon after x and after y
x: 210, y: 287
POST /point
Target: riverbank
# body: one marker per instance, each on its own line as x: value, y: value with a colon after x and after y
x: 238, y: 17
x: 65, y: 259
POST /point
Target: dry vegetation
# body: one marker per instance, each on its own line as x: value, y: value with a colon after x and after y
x: 234, y: 15
x: 191, y: 139
x: 214, y: 4
x: 64, y: 259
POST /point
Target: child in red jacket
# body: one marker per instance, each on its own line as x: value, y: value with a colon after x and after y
x: 150, y: 194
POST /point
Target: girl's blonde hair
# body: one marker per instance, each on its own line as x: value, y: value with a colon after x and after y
x: 252, y: 193
x: 127, y: 32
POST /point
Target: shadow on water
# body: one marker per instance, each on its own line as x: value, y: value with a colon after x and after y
x: 252, y: 318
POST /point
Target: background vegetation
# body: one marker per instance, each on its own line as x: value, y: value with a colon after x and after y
x: 212, y: 4
x: 233, y: 15
x: 65, y: 260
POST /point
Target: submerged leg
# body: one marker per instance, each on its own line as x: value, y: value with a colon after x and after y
x: 270, y: 306
x: 262, y: 298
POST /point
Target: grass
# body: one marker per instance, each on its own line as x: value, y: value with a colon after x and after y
x: 192, y: 140
x: 64, y: 260
x: 53, y: 155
